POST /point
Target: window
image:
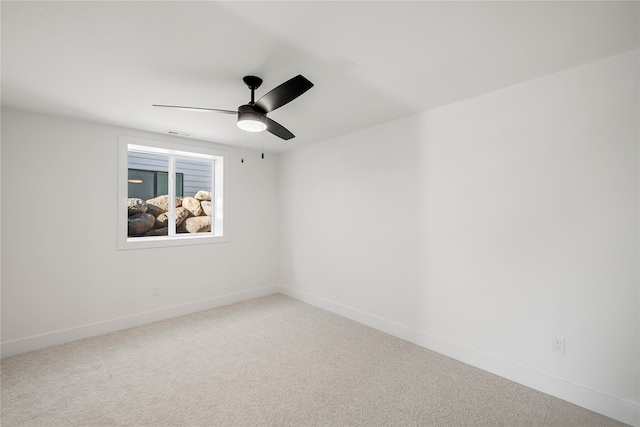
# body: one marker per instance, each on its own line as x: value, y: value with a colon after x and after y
x: 145, y: 184
x: 151, y: 174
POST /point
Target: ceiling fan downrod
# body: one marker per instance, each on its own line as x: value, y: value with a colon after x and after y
x: 253, y: 83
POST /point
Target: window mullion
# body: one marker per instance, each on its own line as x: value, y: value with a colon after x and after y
x: 172, y: 196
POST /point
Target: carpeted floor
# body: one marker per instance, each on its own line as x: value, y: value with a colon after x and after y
x: 270, y: 361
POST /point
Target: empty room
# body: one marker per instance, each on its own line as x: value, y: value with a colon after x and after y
x: 386, y: 213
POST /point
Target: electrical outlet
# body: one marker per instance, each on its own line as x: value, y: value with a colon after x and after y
x: 155, y: 291
x: 557, y: 345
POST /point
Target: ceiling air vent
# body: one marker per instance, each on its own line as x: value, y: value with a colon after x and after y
x: 178, y: 133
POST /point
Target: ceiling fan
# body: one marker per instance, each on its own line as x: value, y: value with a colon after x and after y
x: 252, y: 117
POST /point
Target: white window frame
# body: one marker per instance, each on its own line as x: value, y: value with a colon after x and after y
x: 174, y: 150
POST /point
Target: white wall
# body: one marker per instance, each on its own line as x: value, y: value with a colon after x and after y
x: 483, y: 228
x: 62, y: 275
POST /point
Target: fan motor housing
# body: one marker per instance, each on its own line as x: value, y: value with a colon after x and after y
x: 253, y: 121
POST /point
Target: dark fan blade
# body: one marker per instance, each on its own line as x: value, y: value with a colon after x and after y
x: 283, y: 94
x: 197, y: 108
x: 278, y: 130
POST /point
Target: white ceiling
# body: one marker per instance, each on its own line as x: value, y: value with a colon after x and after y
x: 370, y: 61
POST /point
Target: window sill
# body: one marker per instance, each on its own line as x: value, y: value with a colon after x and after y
x: 163, y: 242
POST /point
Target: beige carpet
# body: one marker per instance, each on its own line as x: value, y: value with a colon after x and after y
x: 270, y: 361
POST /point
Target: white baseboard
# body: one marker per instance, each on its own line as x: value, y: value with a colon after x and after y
x: 618, y: 409
x: 23, y: 345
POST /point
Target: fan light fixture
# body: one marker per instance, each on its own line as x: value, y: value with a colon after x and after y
x: 250, y: 120
x: 251, y: 125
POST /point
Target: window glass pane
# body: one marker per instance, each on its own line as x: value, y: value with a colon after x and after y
x: 141, y: 184
x: 196, y: 175
x: 195, y: 178
x: 179, y: 185
x: 147, y: 201
x: 162, y: 184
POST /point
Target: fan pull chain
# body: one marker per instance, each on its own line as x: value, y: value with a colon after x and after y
x: 262, y: 139
x: 242, y: 150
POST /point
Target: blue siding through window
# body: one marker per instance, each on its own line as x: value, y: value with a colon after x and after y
x: 196, y: 174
